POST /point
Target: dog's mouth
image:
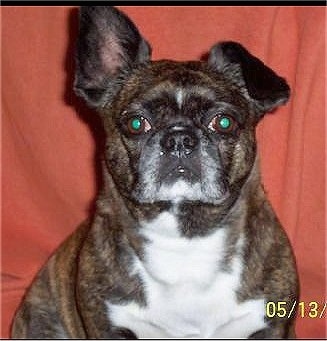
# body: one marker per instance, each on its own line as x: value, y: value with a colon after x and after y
x: 179, y: 171
x: 179, y: 182
x: 172, y: 170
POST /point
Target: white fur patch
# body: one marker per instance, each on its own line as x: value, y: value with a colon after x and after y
x: 187, y: 294
x: 180, y: 190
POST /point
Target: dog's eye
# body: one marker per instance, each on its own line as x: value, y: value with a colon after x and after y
x: 222, y: 124
x: 138, y: 124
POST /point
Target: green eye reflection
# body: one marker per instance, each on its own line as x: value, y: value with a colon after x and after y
x: 138, y: 125
x: 222, y: 124
x: 225, y: 122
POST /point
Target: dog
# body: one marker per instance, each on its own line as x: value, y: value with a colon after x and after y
x: 184, y: 242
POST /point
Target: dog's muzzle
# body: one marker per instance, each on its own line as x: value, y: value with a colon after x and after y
x: 179, y: 156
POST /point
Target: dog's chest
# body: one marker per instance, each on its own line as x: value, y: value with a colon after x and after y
x: 187, y: 293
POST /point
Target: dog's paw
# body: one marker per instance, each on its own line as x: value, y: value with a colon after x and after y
x: 122, y: 334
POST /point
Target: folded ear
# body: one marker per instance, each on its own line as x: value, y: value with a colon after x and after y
x: 108, y: 46
x: 263, y: 85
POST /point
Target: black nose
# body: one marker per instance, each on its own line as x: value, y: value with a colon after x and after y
x: 179, y: 143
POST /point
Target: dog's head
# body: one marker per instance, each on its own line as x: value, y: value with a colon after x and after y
x: 175, y: 130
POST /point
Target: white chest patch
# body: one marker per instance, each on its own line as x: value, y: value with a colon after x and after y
x: 187, y: 294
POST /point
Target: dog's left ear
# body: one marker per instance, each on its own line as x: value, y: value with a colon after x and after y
x: 263, y: 85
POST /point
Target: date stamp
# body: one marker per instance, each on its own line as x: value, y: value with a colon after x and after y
x: 283, y: 309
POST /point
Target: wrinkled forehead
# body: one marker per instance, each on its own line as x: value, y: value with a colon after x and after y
x: 184, y: 89
x: 175, y: 96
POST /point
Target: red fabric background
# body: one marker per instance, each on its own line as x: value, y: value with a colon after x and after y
x: 48, y: 158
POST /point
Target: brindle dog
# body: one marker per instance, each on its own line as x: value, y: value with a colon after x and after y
x: 184, y: 242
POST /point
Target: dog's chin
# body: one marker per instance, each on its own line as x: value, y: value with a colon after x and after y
x: 180, y: 191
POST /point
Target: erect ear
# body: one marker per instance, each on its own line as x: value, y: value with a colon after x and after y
x: 263, y: 85
x: 109, y: 45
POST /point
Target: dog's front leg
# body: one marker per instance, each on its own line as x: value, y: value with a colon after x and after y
x: 103, y: 277
x: 91, y: 299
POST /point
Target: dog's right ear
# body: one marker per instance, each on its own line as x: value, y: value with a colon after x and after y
x: 109, y: 46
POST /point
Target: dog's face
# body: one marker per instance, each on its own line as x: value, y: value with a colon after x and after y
x: 186, y: 134
x: 175, y: 130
